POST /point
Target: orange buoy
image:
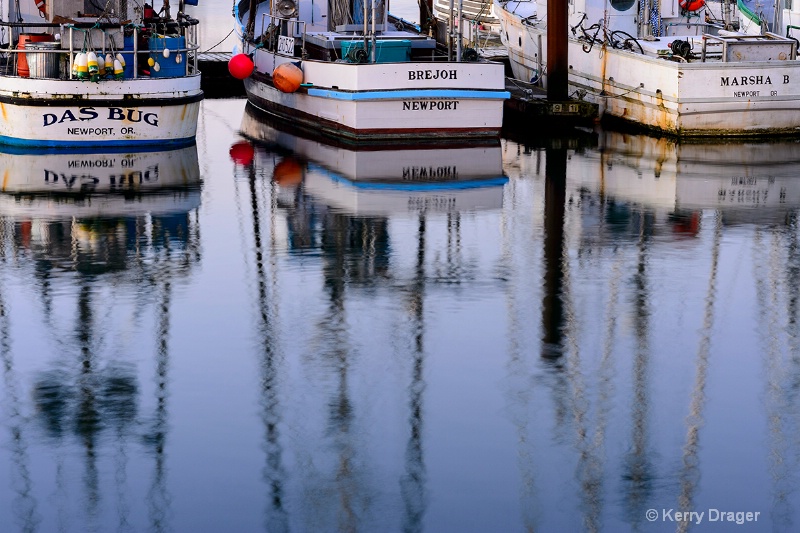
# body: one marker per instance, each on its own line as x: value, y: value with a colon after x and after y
x: 691, y: 5
x: 240, y: 66
x: 242, y: 153
x: 288, y: 172
x: 287, y: 77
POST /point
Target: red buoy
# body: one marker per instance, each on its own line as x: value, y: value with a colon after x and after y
x: 240, y: 66
x: 242, y: 153
x: 287, y: 77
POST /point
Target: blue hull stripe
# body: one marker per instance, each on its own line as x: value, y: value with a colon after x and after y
x: 421, y: 187
x: 94, y: 145
x: 417, y: 93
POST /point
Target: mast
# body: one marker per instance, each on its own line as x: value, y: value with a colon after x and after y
x: 727, y: 10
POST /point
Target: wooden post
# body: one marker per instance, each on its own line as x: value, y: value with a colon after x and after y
x: 557, y: 60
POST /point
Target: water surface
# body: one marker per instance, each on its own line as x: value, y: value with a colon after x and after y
x: 266, y: 332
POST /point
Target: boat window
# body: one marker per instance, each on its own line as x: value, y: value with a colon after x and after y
x: 622, y: 5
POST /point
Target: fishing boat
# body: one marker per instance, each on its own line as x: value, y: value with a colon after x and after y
x: 350, y: 72
x: 660, y: 65
x: 123, y: 77
x: 756, y: 17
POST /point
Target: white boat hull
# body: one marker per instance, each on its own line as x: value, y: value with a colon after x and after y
x: 146, y: 111
x: 711, y: 98
x: 386, y: 101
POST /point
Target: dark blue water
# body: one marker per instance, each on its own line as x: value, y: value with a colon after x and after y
x: 265, y: 332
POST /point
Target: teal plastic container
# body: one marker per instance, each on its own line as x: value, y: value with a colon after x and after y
x: 394, y: 51
x: 169, y: 66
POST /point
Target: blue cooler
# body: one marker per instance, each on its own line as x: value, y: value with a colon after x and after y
x: 169, y: 68
x: 127, y: 55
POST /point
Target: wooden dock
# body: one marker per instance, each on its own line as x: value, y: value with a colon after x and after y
x: 215, y: 79
x: 529, y: 107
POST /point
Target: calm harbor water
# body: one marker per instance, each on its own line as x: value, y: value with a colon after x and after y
x: 265, y: 332
x: 283, y: 335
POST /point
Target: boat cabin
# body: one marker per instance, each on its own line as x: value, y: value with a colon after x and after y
x: 354, y: 31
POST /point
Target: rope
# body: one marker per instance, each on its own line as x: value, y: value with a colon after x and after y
x: 219, y: 43
x: 655, y: 18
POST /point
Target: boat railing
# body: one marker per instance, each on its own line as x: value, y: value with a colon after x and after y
x: 114, y: 39
x: 280, y: 33
x: 735, y: 47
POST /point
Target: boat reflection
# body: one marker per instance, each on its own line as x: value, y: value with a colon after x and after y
x: 381, y: 181
x: 110, y: 184
x: 101, y: 202
x: 338, y: 203
x: 637, y: 231
x: 746, y: 181
x: 83, y: 229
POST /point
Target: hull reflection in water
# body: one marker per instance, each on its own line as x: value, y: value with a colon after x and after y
x: 108, y: 184
x: 745, y: 181
x: 388, y: 179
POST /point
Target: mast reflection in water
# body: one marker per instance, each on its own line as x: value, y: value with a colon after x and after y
x: 308, y: 197
x: 80, y: 231
x: 599, y: 272
x: 668, y: 324
x: 551, y: 336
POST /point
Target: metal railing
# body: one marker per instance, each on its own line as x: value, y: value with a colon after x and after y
x: 112, y: 37
x: 276, y: 27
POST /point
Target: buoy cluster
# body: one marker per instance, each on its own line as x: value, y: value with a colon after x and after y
x: 94, y: 67
x: 166, y: 52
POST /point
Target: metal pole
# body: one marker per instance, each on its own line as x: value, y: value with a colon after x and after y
x: 71, y: 52
x: 366, y: 25
x: 458, y: 34
x: 450, y: 33
x: 374, y: 44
